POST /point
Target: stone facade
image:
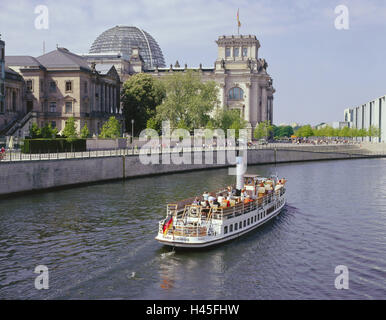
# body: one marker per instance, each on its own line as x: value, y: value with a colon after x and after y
x: 61, y: 84
x: 12, y: 89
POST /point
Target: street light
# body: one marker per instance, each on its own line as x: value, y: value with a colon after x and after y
x: 132, y: 130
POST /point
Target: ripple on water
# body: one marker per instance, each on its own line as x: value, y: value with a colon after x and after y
x: 98, y: 241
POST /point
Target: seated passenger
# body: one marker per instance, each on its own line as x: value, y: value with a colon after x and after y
x: 211, y: 198
x: 196, y: 201
x: 216, y: 203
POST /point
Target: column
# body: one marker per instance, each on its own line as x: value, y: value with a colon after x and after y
x: 264, y: 115
x: 102, y: 97
x: 106, y: 98
x: 109, y: 110
x: 223, y: 95
x: 247, y: 103
x: 115, y: 99
x: 258, y: 100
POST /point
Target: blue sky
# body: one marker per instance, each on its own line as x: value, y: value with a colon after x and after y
x: 318, y: 71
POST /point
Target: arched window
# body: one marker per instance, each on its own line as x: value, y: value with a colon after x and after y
x: 236, y: 94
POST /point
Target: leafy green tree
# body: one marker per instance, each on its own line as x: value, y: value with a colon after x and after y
x: 69, y: 130
x: 345, y: 132
x: 47, y: 132
x: 111, y: 128
x: 374, y: 131
x: 363, y: 133
x: 154, y: 123
x: 34, y: 131
x: 84, y: 133
x: 285, y: 131
x: 141, y: 94
x: 226, y: 119
x: 304, y: 131
x: 263, y: 130
x: 188, y: 99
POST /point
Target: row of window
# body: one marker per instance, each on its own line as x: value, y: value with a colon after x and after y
x: 245, y: 223
x: 67, y: 108
x: 52, y: 86
x: 236, y: 52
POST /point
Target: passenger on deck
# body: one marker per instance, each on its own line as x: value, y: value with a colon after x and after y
x: 211, y: 198
x: 196, y: 201
x: 205, y: 195
x: 206, y: 207
x: 216, y: 203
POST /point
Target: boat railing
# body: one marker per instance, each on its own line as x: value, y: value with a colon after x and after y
x: 185, y: 231
x: 219, y: 213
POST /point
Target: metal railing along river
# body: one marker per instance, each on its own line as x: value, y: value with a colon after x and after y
x: 352, y: 149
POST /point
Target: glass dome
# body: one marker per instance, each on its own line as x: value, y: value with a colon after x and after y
x: 123, y: 39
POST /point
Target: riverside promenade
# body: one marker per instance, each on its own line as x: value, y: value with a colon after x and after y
x: 20, y: 173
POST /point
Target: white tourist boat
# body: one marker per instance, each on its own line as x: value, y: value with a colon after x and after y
x: 255, y: 201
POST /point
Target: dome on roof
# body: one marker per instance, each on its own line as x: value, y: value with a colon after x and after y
x: 123, y: 39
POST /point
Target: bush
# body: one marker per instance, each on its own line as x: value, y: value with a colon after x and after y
x: 53, y: 145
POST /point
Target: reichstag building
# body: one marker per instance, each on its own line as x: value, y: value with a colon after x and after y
x: 241, y: 75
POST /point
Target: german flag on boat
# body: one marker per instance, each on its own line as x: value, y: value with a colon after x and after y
x: 167, y: 224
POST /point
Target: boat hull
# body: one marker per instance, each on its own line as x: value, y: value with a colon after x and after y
x: 220, y: 239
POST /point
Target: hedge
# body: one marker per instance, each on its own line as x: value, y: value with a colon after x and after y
x: 53, y: 145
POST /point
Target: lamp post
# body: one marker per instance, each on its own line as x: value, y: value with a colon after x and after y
x: 132, y: 130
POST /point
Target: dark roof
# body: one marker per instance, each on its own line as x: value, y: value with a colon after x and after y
x: 62, y: 58
x: 22, y: 61
x: 9, y: 70
x: 11, y: 74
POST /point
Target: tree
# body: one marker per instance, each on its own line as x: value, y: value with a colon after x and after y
x: 111, y: 129
x: 154, y: 123
x: 47, y: 132
x: 34, y: 131
x: 141, y: 94
x: 374, y: 131
x: 304, y: 131
x: 226, y: 119
x: 345, y: 132
x: 84, y: 133
x: 284, y: 131
x: 69, y: 130
x: 188, y: 99
x: 263, y: 130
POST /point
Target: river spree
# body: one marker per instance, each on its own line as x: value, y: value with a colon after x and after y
x: 98, y: 241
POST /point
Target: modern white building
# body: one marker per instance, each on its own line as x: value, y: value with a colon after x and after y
x: 372, y: 113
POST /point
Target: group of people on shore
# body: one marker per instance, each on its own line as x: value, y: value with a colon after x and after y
x: 2, y: 153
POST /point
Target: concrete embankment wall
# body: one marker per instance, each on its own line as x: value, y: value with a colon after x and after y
x: 24, y: 176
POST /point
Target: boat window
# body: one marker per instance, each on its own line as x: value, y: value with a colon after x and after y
x: 248, y: 221
x: 241, y: 224
x: 245, y: 223
x: 225, y: 229
x: 231, y: 228
x: 255, y: 218
x: 236, y: 225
